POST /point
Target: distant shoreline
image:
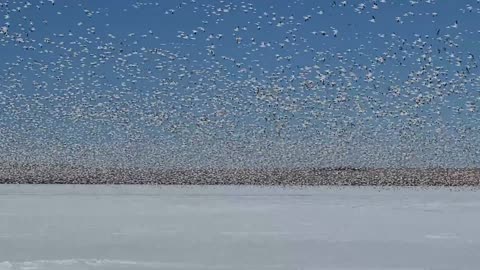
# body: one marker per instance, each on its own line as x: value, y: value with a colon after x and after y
x: 23, y: 174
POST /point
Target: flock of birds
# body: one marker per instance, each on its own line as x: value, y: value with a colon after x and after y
x: 195, y: 83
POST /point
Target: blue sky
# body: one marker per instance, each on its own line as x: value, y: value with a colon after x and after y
x: 379, y: 83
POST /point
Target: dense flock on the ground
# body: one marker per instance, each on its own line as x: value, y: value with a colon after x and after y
x: 239, y: 84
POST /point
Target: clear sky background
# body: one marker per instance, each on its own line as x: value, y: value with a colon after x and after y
x: 238, y: 83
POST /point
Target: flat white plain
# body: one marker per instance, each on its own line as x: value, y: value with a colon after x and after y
x: 158, y: 227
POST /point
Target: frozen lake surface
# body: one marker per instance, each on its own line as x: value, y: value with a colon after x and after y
x: 145, y: 227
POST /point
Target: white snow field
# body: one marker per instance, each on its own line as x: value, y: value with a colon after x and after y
x: 157, y: 227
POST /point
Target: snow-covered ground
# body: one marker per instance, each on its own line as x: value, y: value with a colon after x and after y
x: 145, y: 227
